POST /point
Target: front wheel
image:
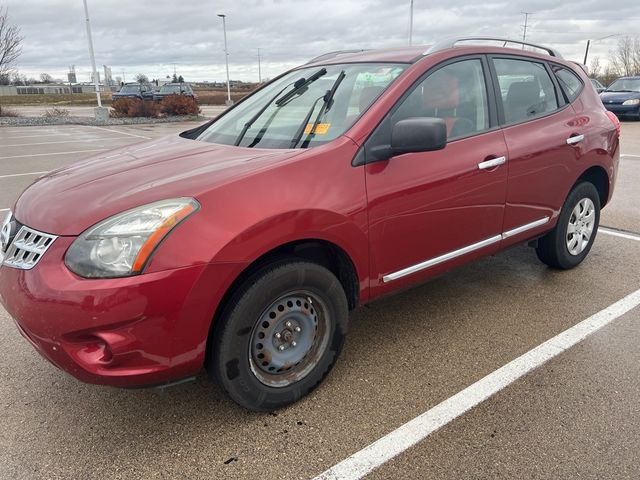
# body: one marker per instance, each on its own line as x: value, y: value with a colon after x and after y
x: 279, y: 335
x: 567, y: 245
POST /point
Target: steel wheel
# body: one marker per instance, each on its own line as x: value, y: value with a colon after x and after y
x: 289, y: 339
x: 581, y: 225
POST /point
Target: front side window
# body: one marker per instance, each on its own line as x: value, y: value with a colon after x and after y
x: 304, y: 108
x: 457, y: 93
x: 526, y: 89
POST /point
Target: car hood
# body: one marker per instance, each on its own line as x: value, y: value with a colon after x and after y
x: 69, y: 200
x: 618, y: 97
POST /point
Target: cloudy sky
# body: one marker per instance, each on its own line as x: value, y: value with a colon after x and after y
x: 151, y: 36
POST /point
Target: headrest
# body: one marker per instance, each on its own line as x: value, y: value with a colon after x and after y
x: 441, y: 91
x: 523, y: 93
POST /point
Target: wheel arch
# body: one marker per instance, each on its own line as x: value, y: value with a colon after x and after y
x: 316, y: 250
x: 599, y: 177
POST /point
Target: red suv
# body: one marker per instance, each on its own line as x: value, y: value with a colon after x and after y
x: 242, y: 245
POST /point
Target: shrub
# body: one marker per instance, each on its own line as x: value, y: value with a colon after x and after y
x: 134, y: 107
x: 56, y: 112
x: 8, y: 112
x: 179, y: 105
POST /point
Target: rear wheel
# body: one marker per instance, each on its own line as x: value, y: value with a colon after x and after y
x: 280, y: 334
x: 567, y: 245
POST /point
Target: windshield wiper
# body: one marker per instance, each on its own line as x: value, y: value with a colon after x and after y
x: 301, y: 86
x: 297, y: 85
x: 326, y: 106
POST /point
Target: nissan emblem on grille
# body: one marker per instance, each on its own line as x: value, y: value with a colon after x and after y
x: 27, y: 247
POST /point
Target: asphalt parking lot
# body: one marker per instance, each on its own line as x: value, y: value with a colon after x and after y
x: 576, y: 416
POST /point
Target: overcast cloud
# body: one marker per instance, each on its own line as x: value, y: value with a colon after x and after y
x: 149, y: 37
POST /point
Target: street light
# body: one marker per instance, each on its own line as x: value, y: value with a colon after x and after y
x: 226, y: 56
x: 93, y: 58
x: 586, y: 50
x: 411, y: 23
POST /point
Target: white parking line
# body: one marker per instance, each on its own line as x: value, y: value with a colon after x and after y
x: 371, y: 457
x: 629, y: 155
x: 22, y: 174
x: 56, y: 153
x: 118, y: 131
x: 65, y: 141
x: 4, y: 209
x: 617, y: 233
x: 41, y: 135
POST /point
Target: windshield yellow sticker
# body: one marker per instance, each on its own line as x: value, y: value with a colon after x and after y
x: 321, y: 129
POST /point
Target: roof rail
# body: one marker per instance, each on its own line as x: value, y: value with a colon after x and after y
x: 451, y: 42
x: 327, y: 56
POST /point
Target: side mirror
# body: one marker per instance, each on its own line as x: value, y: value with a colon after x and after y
x: 420, y: 134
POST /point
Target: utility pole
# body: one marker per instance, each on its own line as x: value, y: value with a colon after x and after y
x: 226, y: 56
x: 526, y: 22
x: 259, y: 68
x: 93, y: 58
x: 411, y: 23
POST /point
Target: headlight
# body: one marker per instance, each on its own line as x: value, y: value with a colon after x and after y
x: 121, y: 246
x: 633, y: 101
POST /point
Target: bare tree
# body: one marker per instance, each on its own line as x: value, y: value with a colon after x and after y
x: 142, y: 78
x: 595, y: 68
x: 622, y: 56
x: 46, y: 78
x: 10, y: 42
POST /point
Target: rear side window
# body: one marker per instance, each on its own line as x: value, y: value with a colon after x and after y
x: 526, y: 89
x: 569, y: 82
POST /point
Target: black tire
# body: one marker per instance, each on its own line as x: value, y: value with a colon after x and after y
x: 233, y: 362
x: 553, y: 248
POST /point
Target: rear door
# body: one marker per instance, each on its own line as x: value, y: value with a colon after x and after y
x: 429, y: 211
x: 542, y: 139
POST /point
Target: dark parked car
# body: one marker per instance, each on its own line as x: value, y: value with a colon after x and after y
x: 241, y: 245
x: 622, y: 97
x: 134, y: 90
x: 175, y: 89
x: 597, y: 85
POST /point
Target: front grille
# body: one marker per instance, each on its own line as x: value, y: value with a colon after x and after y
x: 27, y: 248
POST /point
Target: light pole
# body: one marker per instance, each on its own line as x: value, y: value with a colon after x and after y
x: 259, y: 68
x: 411, y: 23
x: 586, y: 50
x: 226, y: 56
x: 93, y: 58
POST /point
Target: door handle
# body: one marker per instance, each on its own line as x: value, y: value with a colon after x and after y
x: 494, y: 162
x: 574, y: 139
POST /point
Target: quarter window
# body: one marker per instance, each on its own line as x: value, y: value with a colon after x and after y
x: 569, y: 82
x: 526, y: 89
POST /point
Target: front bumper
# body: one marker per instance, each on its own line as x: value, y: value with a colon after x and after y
x: 142, y: 330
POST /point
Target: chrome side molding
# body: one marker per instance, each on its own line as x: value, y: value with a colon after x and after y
x: 463, y: 251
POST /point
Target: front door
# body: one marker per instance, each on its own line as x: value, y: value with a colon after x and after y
x: 430, y: 211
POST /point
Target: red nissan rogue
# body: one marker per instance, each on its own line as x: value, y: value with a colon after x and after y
x: 242, y: 245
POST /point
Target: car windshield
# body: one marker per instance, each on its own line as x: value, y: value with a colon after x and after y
x: 174, y: 88
x: 305, y: 107
x: 625, y: 85
x: 130, y: 89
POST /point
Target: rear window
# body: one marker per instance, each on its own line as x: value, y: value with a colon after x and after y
x: 569, y: 82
